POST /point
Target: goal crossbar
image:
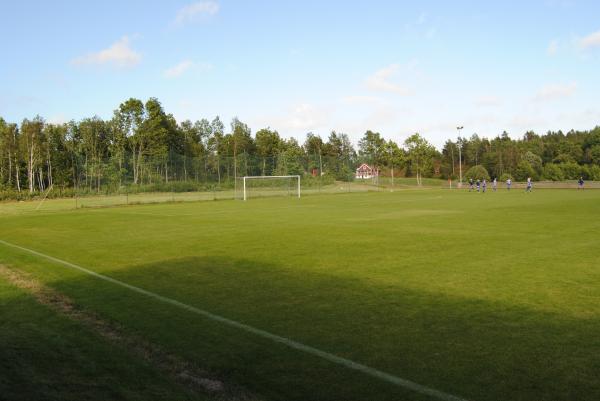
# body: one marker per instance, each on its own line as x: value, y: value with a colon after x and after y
x: 265, y: 177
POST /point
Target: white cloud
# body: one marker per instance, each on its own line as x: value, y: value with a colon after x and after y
x: 590, y: 41
x: 524, y: 122
x: 556, y: 91
x: 361, y: 99
x: 380, y: 81
x: 552, y: 48
x: 192, y: 11
x: 298, y: 119
x: 487, y: 101
x: 58, y: 119
x: 119, y: 54
x: 305, y: 116
x: 178, y: 69
x: 422, y: 18
x: 183, y: 67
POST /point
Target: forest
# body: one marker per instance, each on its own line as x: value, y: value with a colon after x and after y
x: 142, y: 147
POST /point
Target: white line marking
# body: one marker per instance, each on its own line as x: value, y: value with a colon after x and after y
x: 407, y: 384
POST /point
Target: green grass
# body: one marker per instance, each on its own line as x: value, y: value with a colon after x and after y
x: 45, y: 356
x: 485, y: 296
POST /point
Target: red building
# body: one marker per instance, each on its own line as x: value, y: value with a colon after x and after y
x: 366, y: 171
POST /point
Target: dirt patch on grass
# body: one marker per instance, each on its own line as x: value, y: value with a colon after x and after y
x: 181, y: 371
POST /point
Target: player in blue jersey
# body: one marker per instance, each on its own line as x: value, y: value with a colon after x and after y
x: 508, y: 184
x: 580, y: 182
x: 529, y: 185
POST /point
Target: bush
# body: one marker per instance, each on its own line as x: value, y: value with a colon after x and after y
x: 571, y: 171
x: 505, y: 177
x: 477, y: 173
x: 524, y: 171
x: 534, y: 161
x: 343, y: 174
x: 553, y: 172
x: 584, y: 171
x: 594, y: 172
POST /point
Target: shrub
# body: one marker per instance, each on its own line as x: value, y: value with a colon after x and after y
x: 553, y: 172
x: 477, y: 173
x: 505, y: 177
x: 571, y: 171
x: 524, y: 171
x: 584, y: 171
x: 594, y: 172
x: 535, y: 161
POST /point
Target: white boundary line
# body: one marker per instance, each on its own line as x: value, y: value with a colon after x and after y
x: 387, y: 377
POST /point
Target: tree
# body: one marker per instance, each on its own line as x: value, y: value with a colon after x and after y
x: 289, y: 157
x: 594, y: 154
x: 553, y: 172
x: 94, y: 145
x: 240, y: 142
x: 371, y: 148
x: 314, y: 147
x: 394, y: 157
x: 524, y: 171
x: 159, y: 134
x: 31, y: 133
x: 268, y: 143
x: 129, y: 118
x: 10, y: 155
x: 535, y: 161
x: 449, y: 158
x: 215, y: 143
x: 419, y: 153
x: 339, y: 155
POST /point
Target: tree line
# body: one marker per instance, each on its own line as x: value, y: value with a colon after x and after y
x: 142, y: 145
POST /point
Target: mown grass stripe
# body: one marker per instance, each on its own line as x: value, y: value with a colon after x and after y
x: 387, y: 377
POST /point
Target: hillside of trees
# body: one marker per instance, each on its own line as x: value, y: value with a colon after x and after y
x: 142, y: 145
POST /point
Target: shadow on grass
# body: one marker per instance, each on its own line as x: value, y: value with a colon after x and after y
x: 466, y: 347
x: 46, y: 356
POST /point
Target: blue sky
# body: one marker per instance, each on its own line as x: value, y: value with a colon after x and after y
x: 310, y: 65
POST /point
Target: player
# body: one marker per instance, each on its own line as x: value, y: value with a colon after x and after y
x: 508, y: 184
x: 529, y: 185
x: 470, y: 184
x: 494, y: 184
x: 478, y: 183
x: 484, y: 185
x: 580, y: 182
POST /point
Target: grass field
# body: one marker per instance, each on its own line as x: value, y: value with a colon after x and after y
x: 490, y: 296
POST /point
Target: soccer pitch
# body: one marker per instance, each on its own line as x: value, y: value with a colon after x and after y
x: 476, y: 296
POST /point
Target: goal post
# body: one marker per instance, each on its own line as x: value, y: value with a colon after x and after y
x: 266, y: 178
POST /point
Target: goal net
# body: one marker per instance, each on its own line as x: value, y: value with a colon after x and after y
x: 274, y: 185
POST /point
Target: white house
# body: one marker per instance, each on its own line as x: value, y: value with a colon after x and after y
x: 366, y: 171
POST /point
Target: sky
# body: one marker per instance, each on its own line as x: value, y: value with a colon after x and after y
x: 310, y: 66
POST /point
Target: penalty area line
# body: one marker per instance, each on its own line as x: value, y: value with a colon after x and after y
x: 387, y: 377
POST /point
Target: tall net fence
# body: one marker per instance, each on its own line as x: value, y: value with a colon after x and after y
x: 129, y: 179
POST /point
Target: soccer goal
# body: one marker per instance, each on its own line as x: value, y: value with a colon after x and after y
x: 271, y: 185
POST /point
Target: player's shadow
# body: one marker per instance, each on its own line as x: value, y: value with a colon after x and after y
x: 469, y: 347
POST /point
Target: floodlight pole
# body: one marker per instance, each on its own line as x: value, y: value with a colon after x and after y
x: 392, y: 164
x: 459, y: 155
